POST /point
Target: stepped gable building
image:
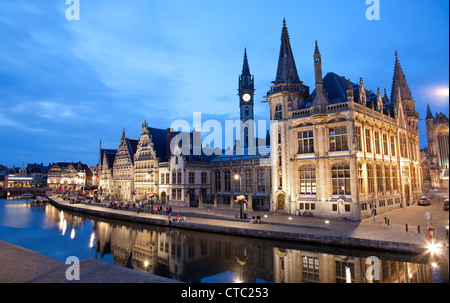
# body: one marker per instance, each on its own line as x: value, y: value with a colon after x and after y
x: 66, y: 175
x: 436, y: 155
x: 172, y: 168
x: 341, y: 150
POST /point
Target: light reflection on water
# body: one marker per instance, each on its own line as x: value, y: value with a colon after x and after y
x: 195, y: 256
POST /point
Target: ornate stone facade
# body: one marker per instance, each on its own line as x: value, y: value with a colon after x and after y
x: 341, y: 150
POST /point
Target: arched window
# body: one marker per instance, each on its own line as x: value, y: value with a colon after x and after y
x: 341, y: 179
x: 308, y: 180
x: 278, y: 113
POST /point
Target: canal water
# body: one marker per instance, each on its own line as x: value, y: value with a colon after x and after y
x: 199, y: 257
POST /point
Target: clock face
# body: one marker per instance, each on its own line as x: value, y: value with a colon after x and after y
x: 246, y: 97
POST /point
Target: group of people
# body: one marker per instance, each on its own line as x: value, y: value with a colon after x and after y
x: 177, y: 219
x: 159, y: 209
x: 255, y: 220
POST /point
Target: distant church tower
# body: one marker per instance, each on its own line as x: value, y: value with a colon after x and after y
x: 246, y: 102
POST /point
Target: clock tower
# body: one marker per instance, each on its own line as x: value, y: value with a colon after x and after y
x: 246, y: 103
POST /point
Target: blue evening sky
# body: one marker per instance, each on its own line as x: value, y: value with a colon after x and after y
x: 66, y: 85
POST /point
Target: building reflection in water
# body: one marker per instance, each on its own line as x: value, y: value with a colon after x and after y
x: 203, y: 257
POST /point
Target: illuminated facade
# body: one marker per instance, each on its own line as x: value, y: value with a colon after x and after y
x: 436, y: 155
x: 341, y: 150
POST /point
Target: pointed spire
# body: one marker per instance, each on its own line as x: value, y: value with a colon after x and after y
x: 349, y: 91
x: 362, y: 92
x: 287, y: 71
x: 316, y: 51
x: 385, y: 97
x: 399, y: 81
x: 123, y: 133
x: 379, y: 101
x: 429, y: 114
x: 245, y: 67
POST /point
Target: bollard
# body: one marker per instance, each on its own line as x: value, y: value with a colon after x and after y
x: 418, y: 229
x: 385, y: 220
x: 388, y: 222
x: 406, y: 227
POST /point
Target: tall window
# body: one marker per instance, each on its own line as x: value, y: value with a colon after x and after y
x: 174, y: 178
x: 305, y: 142
x: 395, y: 177
x: 308, y: 180
x: 261, y: 179
x: 227, y: 180
x: 359, y: 138
x: 237, y: 181
x: 338, y: 138
x: 377, y: 143
x: 217, y: 180
x: 204, y: 177
x: 385, y: 145
x: 403, y: 148
x: 379, y: 178
x: 191, y: 177
x: 368, y: 141
x: 278, y: 113
x: 443, y: 150
x: 387, y: 177
x: 393, y: 146
x: 249, y: 180
x: 341, y: 179
x: 361, y: 177
x: 370, y: 179
x: 179, y: 177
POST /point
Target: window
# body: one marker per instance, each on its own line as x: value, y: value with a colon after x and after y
x: 204, y: 178
x: 310, y: 269
x: 370, y: 179
x: 237, y: 182
x: 379, y: 179
x: 368, y: 141
x: 387, y: 178
x: 227, y: 180
x: 359, y: 138
x: 191, y: 177
x: 341, y: 271
x: 361, y: 178
x: 341, y: 179
x: 338, y: 138
x: 179, y: 177
x: 249, y: 180
x: 377, y: 143
x: 261, y: 180
x: 167, y: 178
x: 393, y: 146
x: 395, y: 177
x: 217, y: 180
x: 174, y: 177
x: 305, y: 142
x: 278, y: 113
x: 403, y: 148
x: 385, y: 145
x: 308, y: 180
